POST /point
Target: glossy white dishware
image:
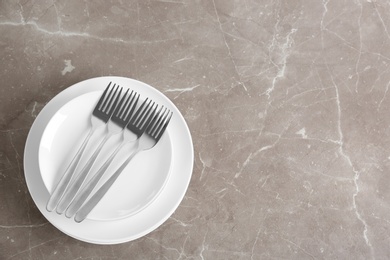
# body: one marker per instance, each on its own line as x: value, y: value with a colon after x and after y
x: 141, y: 199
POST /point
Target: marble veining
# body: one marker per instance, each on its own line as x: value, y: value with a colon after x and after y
x: 287, y: 103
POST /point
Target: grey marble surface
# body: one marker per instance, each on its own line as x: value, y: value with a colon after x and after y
x: 287, y: 103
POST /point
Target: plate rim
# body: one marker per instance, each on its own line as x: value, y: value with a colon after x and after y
x: 32, y: 142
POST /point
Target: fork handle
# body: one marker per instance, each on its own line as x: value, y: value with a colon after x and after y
x: 99, y: 194
x: 65, y: 179
x: 80, y: 177
x: 88, y: 188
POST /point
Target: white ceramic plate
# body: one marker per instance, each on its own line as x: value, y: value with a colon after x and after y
x: 147, y: 192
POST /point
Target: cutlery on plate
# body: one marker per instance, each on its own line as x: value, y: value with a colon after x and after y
x: 117, y: 123
x: 99, y: 117
x: 135, y: 128
x: 152, y: 134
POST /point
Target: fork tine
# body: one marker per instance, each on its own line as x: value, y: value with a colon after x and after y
x: 123, y: 104
x: 134, y: 121
x: 106, y: 98
x: 119, y: 108
x: 164, y: 126
x: 136, y: 115
x: 112, y: 104
x: 141, y: 117
x: 103, y: 96
x: 155, y: 120
x: 148, y: 117
x: 158, y: 129
x: 110, y: 100
x: 131, y: 107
